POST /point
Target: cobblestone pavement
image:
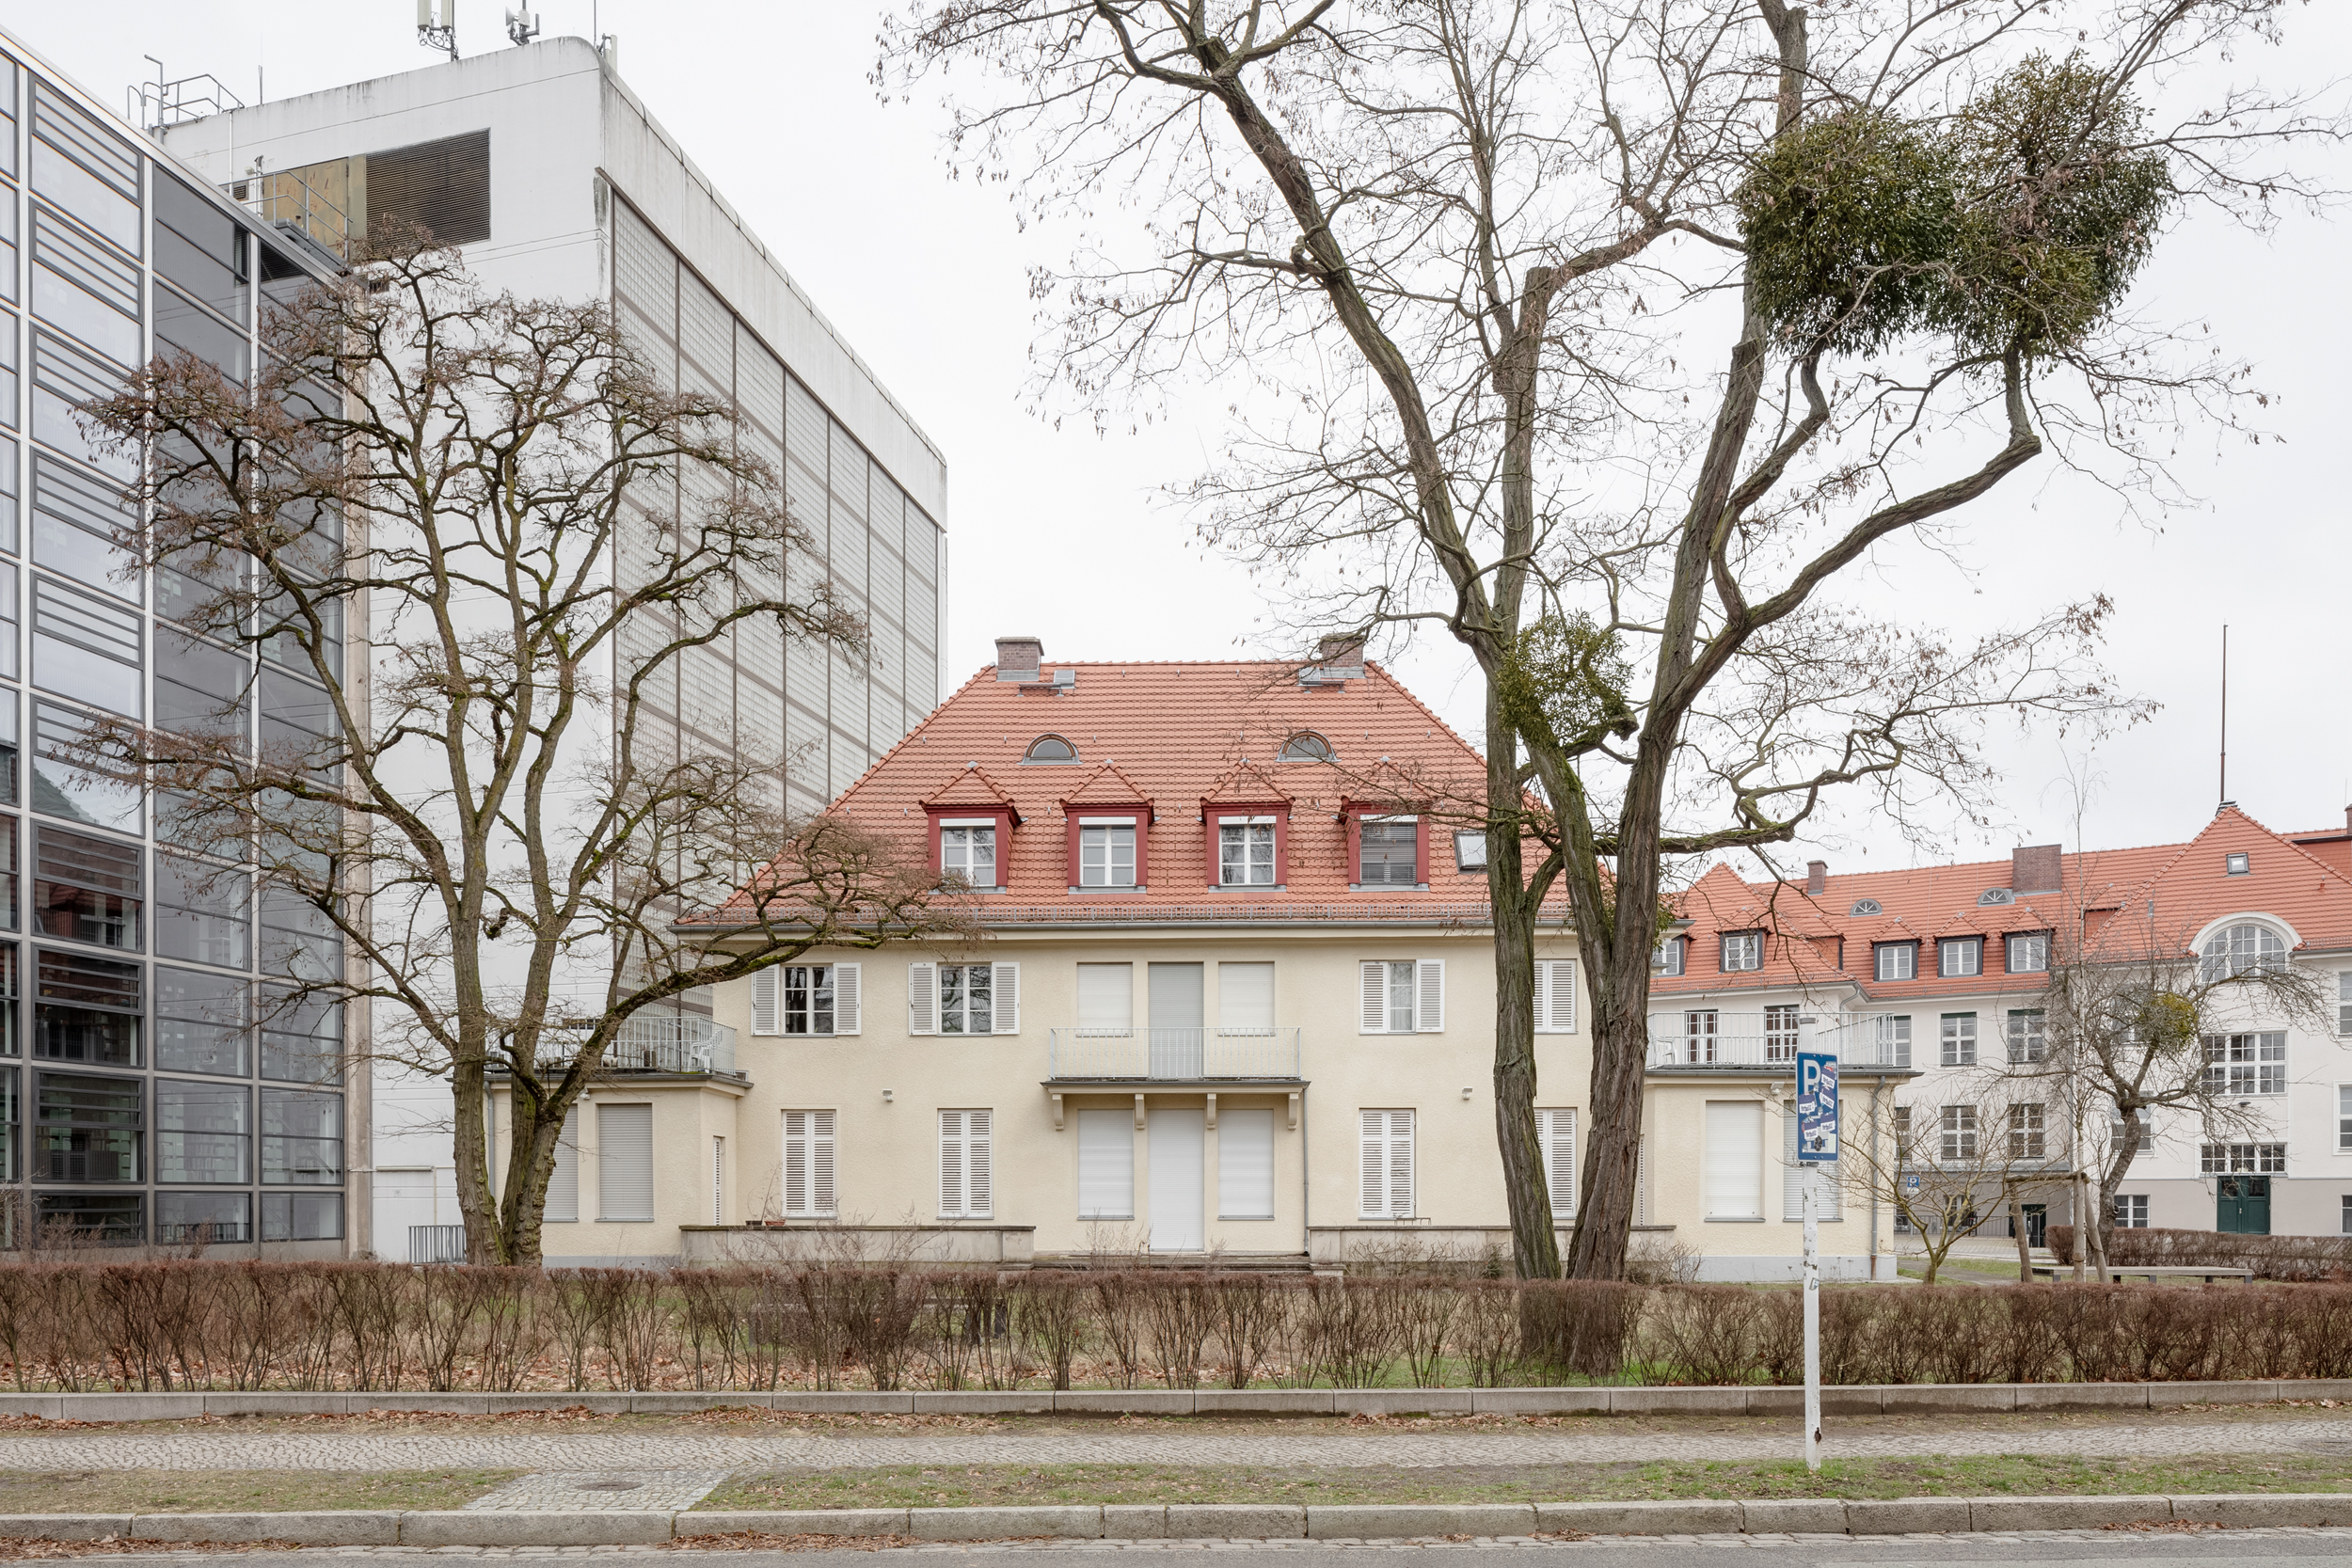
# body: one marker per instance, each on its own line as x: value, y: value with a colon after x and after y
x: 602, y: 1492
x: 681, y: 1451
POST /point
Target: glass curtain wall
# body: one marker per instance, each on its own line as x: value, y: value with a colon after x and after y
x: 160, y: 1091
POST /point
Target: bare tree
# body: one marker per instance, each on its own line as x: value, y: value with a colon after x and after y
x: 1451, y: 240
x: 2149, y: 1036
x: 493, y: 830
x: 1965, y: 1149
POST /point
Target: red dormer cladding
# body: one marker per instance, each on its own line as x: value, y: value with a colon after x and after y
x: 1245, y: 829
x: 1108, y: 814
x: 971, y: 800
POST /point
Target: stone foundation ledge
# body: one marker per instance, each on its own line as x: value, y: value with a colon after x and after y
x: 1922, y: 1399
x: 1203, y: 1521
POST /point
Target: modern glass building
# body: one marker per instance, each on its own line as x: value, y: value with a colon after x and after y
x: 559, y: 184
x: 155, y: 1087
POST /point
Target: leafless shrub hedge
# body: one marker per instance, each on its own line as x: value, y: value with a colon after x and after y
x: 195, y: 1324
x: 2281, y: 1257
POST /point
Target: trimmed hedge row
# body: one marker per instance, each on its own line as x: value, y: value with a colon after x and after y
x: 366, y: 1326
x: 2267, y: 1257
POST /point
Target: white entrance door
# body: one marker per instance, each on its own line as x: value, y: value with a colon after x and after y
x: 1177, y: 1173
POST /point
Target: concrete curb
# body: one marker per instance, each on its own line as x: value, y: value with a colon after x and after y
x: 1201, y: 1521
x: 1924, y: 1398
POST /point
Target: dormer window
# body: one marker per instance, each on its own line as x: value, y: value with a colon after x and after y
x: 2240, y: 865
x: 2029, y: 953
x: 1742, y: 951
x: 1106, y: 851
x: 1306, y: 746
x: 1050, y: 748
x: 1895, y: 960
x: 1245, y: 851
x: 1863, y: 908
x: 1960, y: 957
x: 968, y: 850
x: 1669, y: 957
x: 1390, y: 853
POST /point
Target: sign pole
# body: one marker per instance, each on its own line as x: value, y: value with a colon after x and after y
x: 1816, y: 1159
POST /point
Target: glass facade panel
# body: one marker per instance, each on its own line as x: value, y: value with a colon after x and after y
x: 79, y: 526
x: 203, y: 1023
x: 200, y: 248
x: 87, y: 888
x: 101, y: 1219
x: 77, y: 794
x: 202, y: 1219
x: 302, y: 1216
x: 87, y: 1008
x: 87, y: 649
x: 85, y: 169
x: 11, y: 1126
x: 302, y: 1038
x: 87, y: 1128
x: 302, y: 1139
x: 204, y: 913
x: 84, y: 290
x: 183, y: 325
x: 203, y: 1133
x: 199, y: 686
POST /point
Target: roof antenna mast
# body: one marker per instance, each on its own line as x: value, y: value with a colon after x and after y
x: 2225, y: 714
x: 437, y: 31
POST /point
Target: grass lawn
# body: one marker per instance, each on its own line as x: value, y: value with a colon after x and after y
x: 960, y: 1486
x: 238, y: 1491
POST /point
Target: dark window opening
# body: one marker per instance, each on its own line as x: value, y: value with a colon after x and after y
x: 442, y: 188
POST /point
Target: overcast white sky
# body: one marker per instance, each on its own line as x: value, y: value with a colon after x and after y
x: 1056, y: 531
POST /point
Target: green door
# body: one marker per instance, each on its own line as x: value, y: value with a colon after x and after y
x: 2243, y: 1206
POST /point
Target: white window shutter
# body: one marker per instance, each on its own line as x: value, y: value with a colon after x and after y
x: 1400, y: 1162
x: 1374, y: 979
x: 796, y: 1151
x: 976, y: 1163
x: 1372, y: 1188
x: 950, y: 1164
x: 922, y: 999
x: 1429, y: 1012
x: 766, y: 989
x: 1556, y: 1131
x: 1008, y: 999
x: 625, y: 1161
x: 820, y: 1200
x: 845, y: 992
x: 1555, y: 996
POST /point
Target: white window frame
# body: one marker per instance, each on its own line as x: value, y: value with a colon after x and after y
x: 1702, y: 1033
x: 1098, y: 842
x: 1959, y: 1045
x: 1742, y: 952
x: 1958, y: 1134
x: 1247, y: 829
x: 1892, y: 1036
x: 969, y: 828
x: 1670, y: 956
x: 2344, y: 1118
x: 2343, y: 1002
x: 2242, y: 1159
x: 967, y: 1185
x: 1400, y: 996
x: 1555, y: 996
x: 805, y: 1174
x: 1900, y: 956
x: 773, y: 990
x: 2026, y: 1034
x: 2131, y: 1211
x: 927, y: 992
x: 1384, y: 1165
x: 2029, y: 1131
x: 1783, y: 1031
x: 1363, y: 827
x: 2035, y: 946
x: 2248, y: 1064
x: 1967, y: 951
x: 2241, y: 947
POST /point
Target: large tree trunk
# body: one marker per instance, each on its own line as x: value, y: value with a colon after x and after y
x: 1612, y: 1144
x: 469, y: 1083
x: 1534, y: 1245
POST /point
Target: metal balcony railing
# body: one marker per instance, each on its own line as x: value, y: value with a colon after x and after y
x: 664, y: 1042
x: 1171, y: 1055
x: 1707, y: 1036
x: 437, y: 1243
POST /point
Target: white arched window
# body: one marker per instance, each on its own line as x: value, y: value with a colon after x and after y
x: 2242, y: 949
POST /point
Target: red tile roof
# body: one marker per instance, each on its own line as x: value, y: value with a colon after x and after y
x: 2107, y: 894
x: 1173, y: 735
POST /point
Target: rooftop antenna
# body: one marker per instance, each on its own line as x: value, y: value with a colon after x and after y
x: 522, y: 26
x: 437, y: 25
x: 2225, y: 714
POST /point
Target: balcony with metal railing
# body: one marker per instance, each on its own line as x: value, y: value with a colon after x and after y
x: 1701, y: 1038
x: 675, y: 1044
x: 1151, y: 1055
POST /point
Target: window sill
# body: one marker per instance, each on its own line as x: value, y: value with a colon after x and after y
x: 602, y: 1219
x: 1244, y: 1219
x: 1249, y: 887
x: 1110, y: 892
x: 1387, y: 887
x: 1735, y: 1219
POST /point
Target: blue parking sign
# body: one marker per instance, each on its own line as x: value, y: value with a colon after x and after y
x: 1817, y: 1108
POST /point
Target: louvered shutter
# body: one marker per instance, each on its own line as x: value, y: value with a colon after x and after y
x: 1386, y: 1174
x: 844, y: 998
x: 1641, y: 1180
x: 1008, y: 999
x: 796, y: 1152
x: 1556, y: 1131
x: 1374, y: 979
x: 1555, y: 996
x: 1429, y: 1004
x: 766, y: 989
x: 820, y: 1194
x: 950, y: 1164
x: 922, y: 999
x: 625, y: 1161
x: 976, y: 1163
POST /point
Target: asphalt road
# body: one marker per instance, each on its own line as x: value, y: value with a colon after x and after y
x: 2212, y: 1549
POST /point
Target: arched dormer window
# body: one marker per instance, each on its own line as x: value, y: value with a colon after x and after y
x: 1306, y: 746
x: 2243, y: 949
x: 1050, y: 748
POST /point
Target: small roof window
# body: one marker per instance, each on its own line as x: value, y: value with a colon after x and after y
x: 1865, y: 907
x: 1996, y: 895
x: 2240, y: 865
x: 1306, y: 746
x: 1050, y: 748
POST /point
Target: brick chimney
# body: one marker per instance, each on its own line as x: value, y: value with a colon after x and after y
x: 1817, y: 877
x: 2036, y: 868
x: 1017, y: 658
x: 1345, y: 652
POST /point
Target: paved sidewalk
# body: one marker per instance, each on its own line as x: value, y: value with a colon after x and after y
x: 546, y: 1451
